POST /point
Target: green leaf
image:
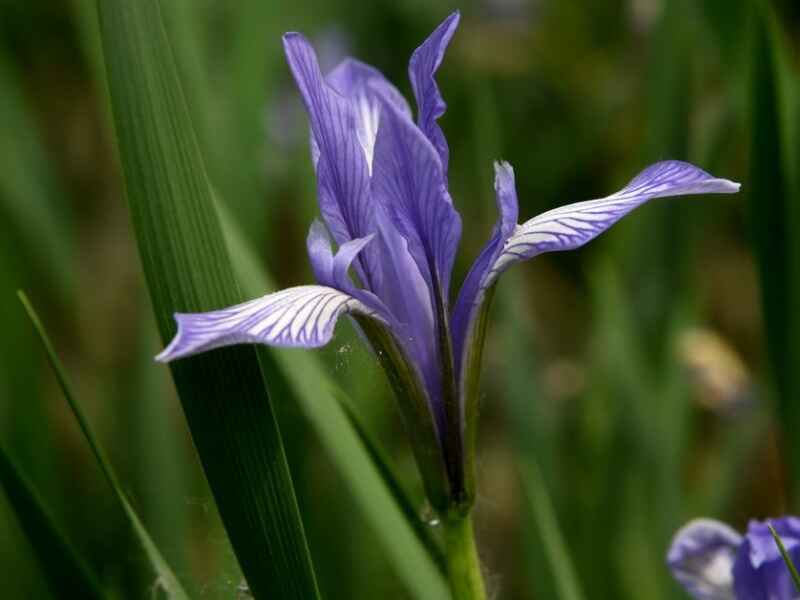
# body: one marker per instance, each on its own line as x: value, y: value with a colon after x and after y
x: 187, y: 269
x: 555, y: 549
x: 786, y: 558
x: 311, y: 387
x: 774, y: 215
x: 31, y: 203
x: 382, y: 463
x: 62, y: 567
x: 166, y: 578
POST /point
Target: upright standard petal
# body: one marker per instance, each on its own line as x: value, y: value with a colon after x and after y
x: 408, y: 181
x: 363, y: 85
x: 701, y: 559
x: 422, y: 67
x: 574, y: 225
x: 470, y: 297
x: 342, y: 170
x: 302, y: 316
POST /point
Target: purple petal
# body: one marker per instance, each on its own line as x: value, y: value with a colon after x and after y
x: 320, y: 254
x: 762, y: 545
x: 407, y: 296
x: 574, y: 225
x: 408, y: 182
x: 344, y: 258
x: 363, y: 85
x: 302, y: 316
x: 471, y: 295
x: 351, y: 78
x: 422, y: 67
x: 701, y: 559
x: 759, y: 572
x: 342, y: 170
x: 402, y: 286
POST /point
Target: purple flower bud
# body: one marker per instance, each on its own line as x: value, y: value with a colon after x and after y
x: 713, y: 562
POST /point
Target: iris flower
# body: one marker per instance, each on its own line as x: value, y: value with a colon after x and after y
x: 382, y: 185
x: 714, y: 562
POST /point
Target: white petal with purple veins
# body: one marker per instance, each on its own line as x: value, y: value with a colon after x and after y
x: 574, y: 225
x: 303, y: 316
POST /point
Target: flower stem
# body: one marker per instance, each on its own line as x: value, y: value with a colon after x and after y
x: 463, y: 565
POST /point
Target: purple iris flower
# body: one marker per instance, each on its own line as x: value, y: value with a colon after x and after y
x: 384, y: 200
x: 713, y: 562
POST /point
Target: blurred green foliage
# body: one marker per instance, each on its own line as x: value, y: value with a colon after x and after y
x: 639, y: 382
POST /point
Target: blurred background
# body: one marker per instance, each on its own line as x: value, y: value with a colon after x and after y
x: 632, y: 385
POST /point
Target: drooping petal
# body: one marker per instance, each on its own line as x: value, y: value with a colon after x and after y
x: 470, y: 296
x: 302, y: 316
x: 422, y: 67
x: 408, y: 181
x: 574, y: 225
x: 701, y: 559
x: 342, y: 170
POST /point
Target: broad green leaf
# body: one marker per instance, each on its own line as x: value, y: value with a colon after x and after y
x: 63, y: 569
x: 187, y: 269
x: 166, y: 578
x: 312, y: 388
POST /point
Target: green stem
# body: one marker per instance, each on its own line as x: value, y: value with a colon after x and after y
x: 463, y: 564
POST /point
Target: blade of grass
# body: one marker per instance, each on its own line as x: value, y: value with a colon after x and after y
x: 773, y: 216
x: 187, y: 269
x: 533, y: 425
x: 555, y: 549
x: 31, y: 203
x: 162, y: 455
x: 786, y: 558
x: 398, y: 492
x: 61, y: 565
x: 166, y: 578
x: 312, y: 389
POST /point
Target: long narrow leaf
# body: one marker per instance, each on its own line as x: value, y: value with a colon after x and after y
x: 555, y: 549
x: 167, y: 580
x: 187, y: 269
x: 62, y: 567
x: 773, y: 202
x: 31, y: 203
x: 381, y: 462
